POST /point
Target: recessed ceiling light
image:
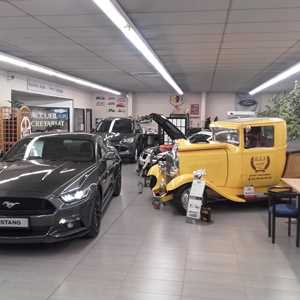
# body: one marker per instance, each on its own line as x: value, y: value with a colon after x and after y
x: 117, y: 15
x: 24, y: 64
x: 280, y: 77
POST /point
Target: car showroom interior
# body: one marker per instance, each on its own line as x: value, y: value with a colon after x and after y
x: 149, y: 149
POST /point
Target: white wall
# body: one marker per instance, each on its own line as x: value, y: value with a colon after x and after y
x: 218, y: 104
x: 146, y: 103
x: 79, y: 98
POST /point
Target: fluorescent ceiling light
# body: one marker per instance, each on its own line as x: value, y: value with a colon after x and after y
x: 21, y: 63
x: 116, y: 14
x: 282, y: 76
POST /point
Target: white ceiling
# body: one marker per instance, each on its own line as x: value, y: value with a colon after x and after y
x: 207, y: 45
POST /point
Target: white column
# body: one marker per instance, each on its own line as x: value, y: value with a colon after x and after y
x: 130, y: 104
x: 5, y: 89
x: 203, y: 108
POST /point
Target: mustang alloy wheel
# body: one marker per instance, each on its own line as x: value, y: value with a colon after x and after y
x: 118, y: 185
x: 96, y: 218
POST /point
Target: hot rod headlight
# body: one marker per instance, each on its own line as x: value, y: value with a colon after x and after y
x: 174, y: 171
x: 75, y: 195
x: 128, y: 140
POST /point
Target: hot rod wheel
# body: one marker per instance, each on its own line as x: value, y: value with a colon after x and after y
x: 181, y: 198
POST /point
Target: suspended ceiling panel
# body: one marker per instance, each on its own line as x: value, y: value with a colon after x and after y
x: 207, y: 45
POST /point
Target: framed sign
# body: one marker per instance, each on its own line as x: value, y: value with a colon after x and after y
x: 49, y: 118
x: 195, y: 109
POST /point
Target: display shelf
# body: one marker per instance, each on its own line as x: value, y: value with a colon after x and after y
x: 10, y: 119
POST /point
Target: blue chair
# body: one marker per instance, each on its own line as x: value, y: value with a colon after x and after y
x: 283, y: 204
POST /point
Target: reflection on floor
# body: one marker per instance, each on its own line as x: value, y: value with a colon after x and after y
x: 150, y: 254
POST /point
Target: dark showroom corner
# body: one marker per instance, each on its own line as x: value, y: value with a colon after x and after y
x: 149, y: 150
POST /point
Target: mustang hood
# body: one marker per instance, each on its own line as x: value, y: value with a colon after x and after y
x: 172, y: 131
x: 39, y: 178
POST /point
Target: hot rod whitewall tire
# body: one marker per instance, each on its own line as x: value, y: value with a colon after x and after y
x: 181, y: 198
x: 96, y: 218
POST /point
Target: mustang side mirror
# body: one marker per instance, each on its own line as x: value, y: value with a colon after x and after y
x: 109, y: 155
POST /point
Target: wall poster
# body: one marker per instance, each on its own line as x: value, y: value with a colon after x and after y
x: 111, y: 106
x: 49, y: 118
x: 195, y: 110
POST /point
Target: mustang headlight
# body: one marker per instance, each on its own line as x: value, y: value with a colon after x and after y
x: 129, y: 140
x: 75, y: 195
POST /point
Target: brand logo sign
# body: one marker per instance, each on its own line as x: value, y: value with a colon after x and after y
x: 9, y: 204
x: 260, y: 163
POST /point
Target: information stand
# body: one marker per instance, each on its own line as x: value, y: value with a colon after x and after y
x: 193, y: 214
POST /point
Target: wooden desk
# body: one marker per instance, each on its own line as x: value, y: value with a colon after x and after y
x: 293, y: 183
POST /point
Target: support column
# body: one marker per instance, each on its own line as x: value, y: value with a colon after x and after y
x: 129, y: 104
x: 5, y: 89
x: 203, y: 109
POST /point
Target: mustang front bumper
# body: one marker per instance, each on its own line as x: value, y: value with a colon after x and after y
x: 65, y: 223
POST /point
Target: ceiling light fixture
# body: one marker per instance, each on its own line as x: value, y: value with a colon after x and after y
x: 280, y: 77
x: 116, y: 14
x: 21, y: 63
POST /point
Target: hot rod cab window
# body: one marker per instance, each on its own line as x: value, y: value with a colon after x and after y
x: 226, y: 135
x: 259, y: 136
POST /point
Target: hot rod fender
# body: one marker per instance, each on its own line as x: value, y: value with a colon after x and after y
x: 179, y: 181
x: 156, y: 172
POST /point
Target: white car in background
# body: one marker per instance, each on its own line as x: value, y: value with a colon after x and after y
x: 203, y: 136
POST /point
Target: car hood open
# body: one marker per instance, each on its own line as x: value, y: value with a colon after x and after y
x: 38, y: 178
x: 172, y: 131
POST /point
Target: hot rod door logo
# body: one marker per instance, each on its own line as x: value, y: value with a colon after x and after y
x: 260, y: 163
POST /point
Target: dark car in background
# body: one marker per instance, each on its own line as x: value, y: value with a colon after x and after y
x: 125, y: 134
x: 56, y: 186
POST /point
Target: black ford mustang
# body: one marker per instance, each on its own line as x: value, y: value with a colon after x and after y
x: 56, y: 186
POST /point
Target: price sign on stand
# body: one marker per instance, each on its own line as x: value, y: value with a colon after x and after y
x: 193, y: 213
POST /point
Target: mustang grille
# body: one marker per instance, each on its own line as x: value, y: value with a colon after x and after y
x: 25, y: 207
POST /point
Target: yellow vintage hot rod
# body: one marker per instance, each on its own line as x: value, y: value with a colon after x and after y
x: 243, y: 153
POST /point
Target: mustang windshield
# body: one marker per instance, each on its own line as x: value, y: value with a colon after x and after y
x: 52, y: 148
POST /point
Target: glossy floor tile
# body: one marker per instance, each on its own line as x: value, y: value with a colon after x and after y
x: 147, y: 254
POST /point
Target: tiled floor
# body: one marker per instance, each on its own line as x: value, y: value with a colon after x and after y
x: 147, y: 254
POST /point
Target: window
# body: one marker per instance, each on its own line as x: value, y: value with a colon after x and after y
x: 138, y: 128
x: 37, y: 150
x: 99, y: 150
x: 104, y: 126
x: 259, y: 136
x: 53, y: 148
x: 18, y: 151
x: 226, y: 135
x: 123, y: 126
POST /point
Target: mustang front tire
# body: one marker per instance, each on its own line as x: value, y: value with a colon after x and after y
x: 118, y: 185
x: 96, y: 218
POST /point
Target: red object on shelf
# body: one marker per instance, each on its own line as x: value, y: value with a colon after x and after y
x: 165, y: 147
